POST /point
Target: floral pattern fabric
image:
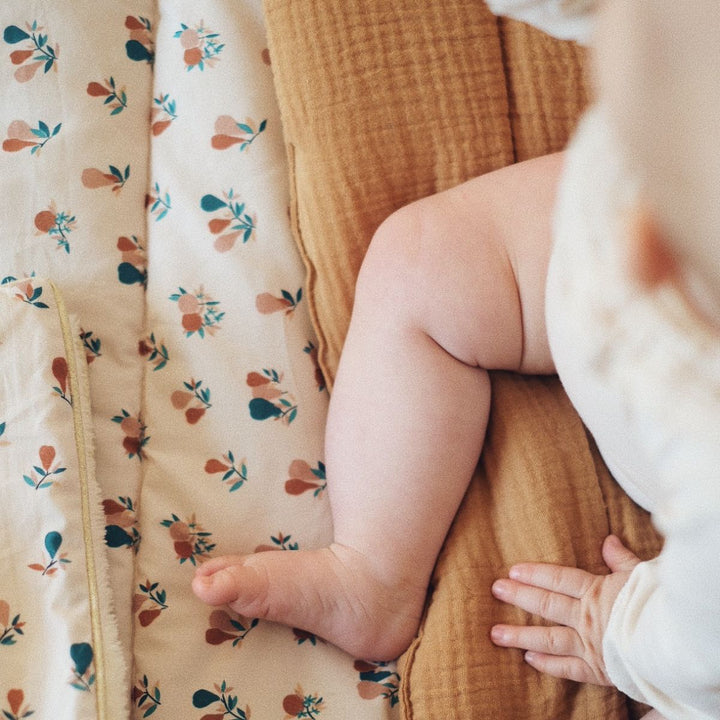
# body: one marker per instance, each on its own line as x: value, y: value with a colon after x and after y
x: 73, y: 181
x: 58, y: 642
x: 143, y: 171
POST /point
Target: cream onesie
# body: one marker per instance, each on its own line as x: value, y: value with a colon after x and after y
x: 643, y: 371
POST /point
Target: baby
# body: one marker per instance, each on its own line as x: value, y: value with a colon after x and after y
x: 456, y: 285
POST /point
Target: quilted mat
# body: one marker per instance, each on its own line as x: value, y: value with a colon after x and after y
x: 148, y: 271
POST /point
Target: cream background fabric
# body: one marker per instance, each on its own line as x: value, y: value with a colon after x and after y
x: 116, y: 171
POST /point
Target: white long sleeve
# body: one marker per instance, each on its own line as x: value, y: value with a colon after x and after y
x: 662, y: 645
x: 643, y: 371
x: 565, y: 19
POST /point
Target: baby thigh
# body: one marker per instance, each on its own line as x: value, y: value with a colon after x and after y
x: 468, y: 266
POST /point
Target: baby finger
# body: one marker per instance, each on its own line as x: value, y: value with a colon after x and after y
x: 555, y: 640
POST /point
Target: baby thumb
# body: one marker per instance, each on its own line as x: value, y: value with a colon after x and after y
x: 616, y: 556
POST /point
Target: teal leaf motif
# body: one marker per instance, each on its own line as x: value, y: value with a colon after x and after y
x: 53, y: 541
x: 116, y: 537
x: 13, y: 34
x: 210, y: 203
x: 129, y: 275
x: 203, y: 698
x: 82, y: 656
x: 262, y: 409
x: 138, y: 52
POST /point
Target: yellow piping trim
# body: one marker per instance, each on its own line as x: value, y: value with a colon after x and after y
x: 82, y: 450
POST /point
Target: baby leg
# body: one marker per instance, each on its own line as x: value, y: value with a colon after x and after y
x: 452, y: 286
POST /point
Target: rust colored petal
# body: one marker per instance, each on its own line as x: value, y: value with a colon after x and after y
x: 112, y: 507
x: 370, y: 690
x: 180, y: 531
x: 159, y: 127
x: 180, y: 399
x: 97, y: 90
x: 45, y: 221
x: 15, y: 699
x: 293, y: 705
x: 15, y: 145
x: 183, y: 549
x: 192, y: 322
x: 215, y: 466
x: 147, y: 616
x: 47, y: 455
x: 218, y: 225
x: 193, y: 56
x: 268, y: 304
x: 223, y: 142
x: 193, y: 415
x: 60, y: 372
x: 93, y: 178
x: 132, y: 23
x: 254, y: 379
x: 295, y: 486
x: 18, y: 57
x: 220, y: 620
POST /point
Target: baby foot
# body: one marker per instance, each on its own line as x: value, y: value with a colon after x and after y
x: 334, y: 592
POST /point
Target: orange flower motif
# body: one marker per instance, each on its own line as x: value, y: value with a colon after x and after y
x: 190, y: 541
x: 230, y: 132
x: 303, y: 478
x: 201, y: 47
x: 311, y: 350
x: 21, y: 136
x: 44, y: 475
x: 269, y: 400
x: 58, y: 560
x: 36, y: 53
x: 267, y: 303
x: 377, y: 680
x: 300, y: 705
x: 197, y: 395
x: 45, y: 221
x: 135, y: 439
x: 133, y: 265
x: 234, y: 223
x: 18, y: 711
x: 93, y: 178
x: 234, y: 474
x: 115, y: 97
x: 61, y: 374
x: 164, y: 111
x: 226, y: 627
x: 56, y: 225
x: 9, y: 627
x: 140, y: 46
x: 200, y: 313
x: 153, y: 594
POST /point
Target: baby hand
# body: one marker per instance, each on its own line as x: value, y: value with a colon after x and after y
x: 577, y: 601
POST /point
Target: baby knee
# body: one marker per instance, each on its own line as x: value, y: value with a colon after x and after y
x: 396, y: 267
